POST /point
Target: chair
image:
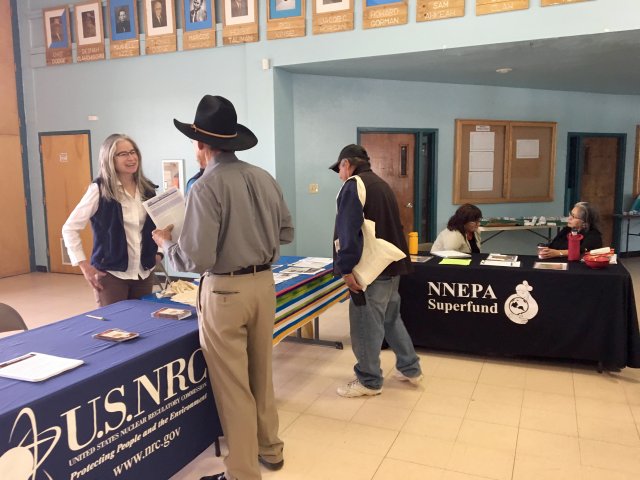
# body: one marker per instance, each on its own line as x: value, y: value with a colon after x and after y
x: 10, y: 320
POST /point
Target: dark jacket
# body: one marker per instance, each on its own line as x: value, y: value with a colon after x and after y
x: 591, y: 239
x: 110, y: 241
x: 382, y: 208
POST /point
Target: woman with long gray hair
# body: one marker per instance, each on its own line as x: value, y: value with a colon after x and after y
x: 124, y: 254
x: 585, y: 219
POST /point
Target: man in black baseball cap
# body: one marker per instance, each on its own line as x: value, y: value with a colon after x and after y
x: 374, y: 313
x: 350, y: 151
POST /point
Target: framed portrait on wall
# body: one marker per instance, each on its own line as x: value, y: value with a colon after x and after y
x: 89, y: 33
x: 239, y: 12
x: 239, y: 21
x: 384, y: 13
x: 173, y: 174
x: 330, y: 6
x: 198, y: 14
x: 123, y: 19
x: 57, y: 35
x: 285, y: 19
x: 56, y: 27
x: 160, y: 26
x: 199, y: 18
x: 285, y: 8
x: 330, y: 16
x: 160, y: 18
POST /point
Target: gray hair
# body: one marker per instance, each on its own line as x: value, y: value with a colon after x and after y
x: 109, y: 186
x: 589, y: 215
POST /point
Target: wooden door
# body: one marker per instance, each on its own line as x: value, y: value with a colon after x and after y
x: 14, y: 254
x: 598, y: 180
x: 392, y: 158
x: 14, y: 235
x: 66, y: 171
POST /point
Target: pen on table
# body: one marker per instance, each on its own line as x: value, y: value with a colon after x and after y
x: 16, y: 360
x: 95, y: 316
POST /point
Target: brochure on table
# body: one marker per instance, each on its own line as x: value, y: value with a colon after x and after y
x: 35, y: 367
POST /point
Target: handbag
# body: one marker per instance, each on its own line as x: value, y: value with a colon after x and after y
x: 377, y: 253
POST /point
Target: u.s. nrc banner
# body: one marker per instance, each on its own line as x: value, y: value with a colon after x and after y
x: 145, y: 417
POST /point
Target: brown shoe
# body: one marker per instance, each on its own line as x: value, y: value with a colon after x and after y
x: 271, y: 466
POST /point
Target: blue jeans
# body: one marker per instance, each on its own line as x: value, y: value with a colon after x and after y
x: 371, y: 324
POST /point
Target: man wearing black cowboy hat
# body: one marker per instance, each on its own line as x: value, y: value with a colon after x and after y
x: 235, y: 221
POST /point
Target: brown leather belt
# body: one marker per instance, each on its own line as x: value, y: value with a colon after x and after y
x: 247, y: 270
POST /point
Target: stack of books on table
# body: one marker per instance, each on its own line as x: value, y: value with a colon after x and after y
x: 500, y: 260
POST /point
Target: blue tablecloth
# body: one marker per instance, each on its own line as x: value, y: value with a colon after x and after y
x: 122, y: 412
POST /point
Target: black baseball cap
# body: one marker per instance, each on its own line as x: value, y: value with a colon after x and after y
x: 350, y: 151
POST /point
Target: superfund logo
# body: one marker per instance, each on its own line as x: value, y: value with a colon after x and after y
x: 461, y: 297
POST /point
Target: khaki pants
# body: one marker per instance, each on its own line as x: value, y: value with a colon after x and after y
x: 236, y: 316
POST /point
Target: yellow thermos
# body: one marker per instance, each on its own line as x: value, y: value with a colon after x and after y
x: 413, y: 243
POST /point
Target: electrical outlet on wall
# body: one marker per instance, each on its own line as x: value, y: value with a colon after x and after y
x: 314, y: 188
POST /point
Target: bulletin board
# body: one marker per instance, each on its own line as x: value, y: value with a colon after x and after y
x: 498, y: 161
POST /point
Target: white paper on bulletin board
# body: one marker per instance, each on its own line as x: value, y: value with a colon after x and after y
x: 480, y: 181
x: 528, y: 148
x: 481, y: 161
x: 482, y: 141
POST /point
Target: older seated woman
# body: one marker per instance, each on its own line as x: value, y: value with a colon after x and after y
x: 584, y: 218
x: 461, y: 233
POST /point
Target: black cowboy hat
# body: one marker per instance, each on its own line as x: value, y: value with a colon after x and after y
x: 216, y: 124
x: 350, y: 151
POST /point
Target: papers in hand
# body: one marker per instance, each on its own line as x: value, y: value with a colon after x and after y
x: 173, y: 313
x: 115, y: 335
x: 167, y: 209
x: 450, y: 254
x: 35, y: 367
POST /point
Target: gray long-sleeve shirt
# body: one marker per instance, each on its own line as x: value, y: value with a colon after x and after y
x: 236, y: 217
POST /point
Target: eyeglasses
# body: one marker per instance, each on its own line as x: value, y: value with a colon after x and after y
x: 130, y: 153
x: 574, y: 216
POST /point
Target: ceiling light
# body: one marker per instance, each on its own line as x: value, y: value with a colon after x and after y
x: 504, y: 70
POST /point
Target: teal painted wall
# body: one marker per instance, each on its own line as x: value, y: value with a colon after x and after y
x: 301, y: 120
x: 373, y: 103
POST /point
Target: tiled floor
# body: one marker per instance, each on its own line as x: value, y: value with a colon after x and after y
x: 473, y: 417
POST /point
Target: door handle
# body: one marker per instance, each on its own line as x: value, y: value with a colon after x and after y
x: 409, y: 205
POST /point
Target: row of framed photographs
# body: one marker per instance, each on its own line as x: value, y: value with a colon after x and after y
x: 160, y: 17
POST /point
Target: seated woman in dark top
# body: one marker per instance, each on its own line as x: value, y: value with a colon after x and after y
x: 583, y: 218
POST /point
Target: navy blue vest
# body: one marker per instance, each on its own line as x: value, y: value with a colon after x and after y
x: 110, y: 241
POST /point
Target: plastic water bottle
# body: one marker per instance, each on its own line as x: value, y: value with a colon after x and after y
x: 574, y: 245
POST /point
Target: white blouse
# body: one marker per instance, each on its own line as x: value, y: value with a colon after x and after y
x: 134, y: 216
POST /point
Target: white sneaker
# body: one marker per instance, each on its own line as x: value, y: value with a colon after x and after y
x: 415, y: 381
x: 356, y: 389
